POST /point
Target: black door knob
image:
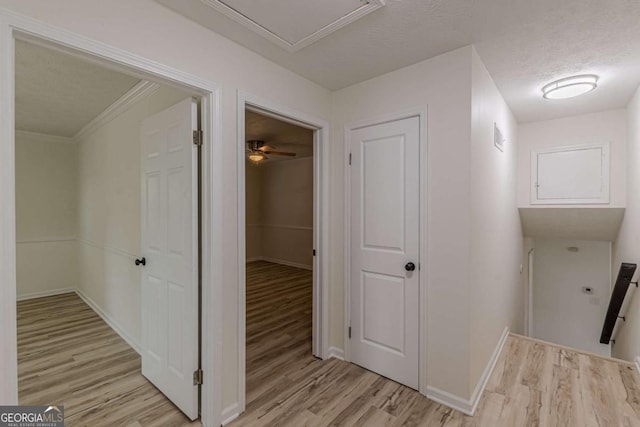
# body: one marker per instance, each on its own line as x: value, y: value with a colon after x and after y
x: 141, y: 261
x: 409, y: 266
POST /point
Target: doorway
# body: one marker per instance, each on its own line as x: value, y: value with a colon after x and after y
x: 569, y: 290
x: 308, y: 263
x: 107, y: 208
x: 113, y: 59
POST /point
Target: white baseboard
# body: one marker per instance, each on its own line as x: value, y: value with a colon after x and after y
x: 335, y: 352
x: 230, y: 413
x: 109, y: 321
x: 43, y: 294
x: 637, y: 363
x: 450, y: 400
x: 282, y: 262
x: 469, y: 406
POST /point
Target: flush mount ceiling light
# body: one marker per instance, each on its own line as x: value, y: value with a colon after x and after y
x: 570, y: 87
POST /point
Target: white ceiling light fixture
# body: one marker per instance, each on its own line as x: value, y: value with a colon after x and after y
x: 570, y: 87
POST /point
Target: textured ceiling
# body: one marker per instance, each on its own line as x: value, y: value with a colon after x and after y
x: 57, y: 94
x: 523, y: 43
x: 280, y: 135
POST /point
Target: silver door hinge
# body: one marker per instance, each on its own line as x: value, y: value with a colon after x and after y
x: 349, y: 332
x: 197, y: 138
x: 349, y: 159
x: 198, y: 377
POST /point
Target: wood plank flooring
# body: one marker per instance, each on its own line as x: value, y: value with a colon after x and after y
x: 533, y: 383
x: 67, y: 355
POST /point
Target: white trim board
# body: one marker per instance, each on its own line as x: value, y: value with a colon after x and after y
x: 367, y: 7
x: 110, y: 321
x: 106, y: 248
x: 279, y: 261
x: 44, y: 137
x: 38, y: 240
x: 230, y: 413
x: 336, y: 353
x: 122, y: 104
x: 14, y: 25
x: 136, y: 94
x: 284, y: 161
x: 43, y: 294
x: 468, y: 407
x: 287, y: 227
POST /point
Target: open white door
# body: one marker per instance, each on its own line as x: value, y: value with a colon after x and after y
x: 170, y: 248
x: 385, y: 210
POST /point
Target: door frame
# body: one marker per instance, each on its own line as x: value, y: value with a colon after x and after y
x: 421, y: 113
x: 529, y: 296
x: 320, y: 334
x: 16, y: 26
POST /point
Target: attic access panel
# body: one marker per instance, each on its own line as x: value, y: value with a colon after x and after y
x: 295, y: 24
x: 571, y: 175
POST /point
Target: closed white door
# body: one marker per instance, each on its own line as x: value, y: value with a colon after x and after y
x: 385, y: 204
x: 170, y: 248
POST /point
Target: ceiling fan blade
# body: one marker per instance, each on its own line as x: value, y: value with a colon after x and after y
x: 266, y: 148
x: 280, y: 153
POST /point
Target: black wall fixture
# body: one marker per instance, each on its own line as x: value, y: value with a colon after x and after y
x: 627, y: 270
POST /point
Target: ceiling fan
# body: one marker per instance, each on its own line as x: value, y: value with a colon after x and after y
x: 257, y: 151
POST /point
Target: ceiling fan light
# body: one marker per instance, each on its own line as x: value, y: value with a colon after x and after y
x: 570, y: 87
x: 257, y: 157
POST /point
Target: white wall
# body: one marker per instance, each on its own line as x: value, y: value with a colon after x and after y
x: 562, y: 313
x: 141, y: 27
x: 595, y: 128
x: 495, y: 283
x: 443, y: 85
x: 287, y: 211
x: 279, y: 206
x: 253, y: 216
x: 474, y: 236
x: 109, y: 212
x: 45, y: 214
x: 627, y: 245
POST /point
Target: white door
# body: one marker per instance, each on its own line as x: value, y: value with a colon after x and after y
x: 170, y: 248
x: 385, y: 205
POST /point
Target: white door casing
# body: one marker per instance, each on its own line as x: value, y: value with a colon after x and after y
x: 170, y: 246
x: 385, y: 226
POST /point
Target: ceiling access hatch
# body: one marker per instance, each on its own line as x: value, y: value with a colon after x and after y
x: 295, y: 24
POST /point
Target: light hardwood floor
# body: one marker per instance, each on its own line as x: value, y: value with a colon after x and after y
x: 67, y: 355
x: 533, y: 383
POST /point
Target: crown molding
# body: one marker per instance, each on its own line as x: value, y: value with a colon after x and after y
x: 126, y: 101
x: 43, y: 137
x: 366, y: 8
